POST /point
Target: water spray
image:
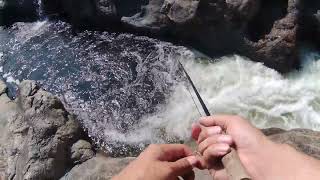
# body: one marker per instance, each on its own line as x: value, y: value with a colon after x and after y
x: 231, y: 161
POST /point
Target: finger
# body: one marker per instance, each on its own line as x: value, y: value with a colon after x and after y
x: 213, y: 153
x: 220, y: 120
x: 196, y: 130
x: 215, y: 139
x: 189, y: 176
x: 173, y: 152
x: 183, y: 166
x: 208, y: 131
x: 217, y: 120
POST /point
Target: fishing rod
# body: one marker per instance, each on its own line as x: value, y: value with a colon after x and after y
x: 203, y: 105
x: 231, y: 161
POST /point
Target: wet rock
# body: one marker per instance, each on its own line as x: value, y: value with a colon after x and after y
x: 150, y: 18
x: 81, y: 152
x: 267, y: 31
x: 99, y: 167
x: 40, y: 136
x: 274, y: 42
x: 18, y: 10
x: 84, y: 14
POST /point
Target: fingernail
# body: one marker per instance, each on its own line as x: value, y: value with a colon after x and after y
x: 192, y: 160
x: 214, y: 130
x: 225, y: 139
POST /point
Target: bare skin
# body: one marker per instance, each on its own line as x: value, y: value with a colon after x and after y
x: 262, y: 158
x: 161, y: 162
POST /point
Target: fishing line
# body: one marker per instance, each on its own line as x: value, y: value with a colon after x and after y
x: 194, y: 101
x: 203, y: 105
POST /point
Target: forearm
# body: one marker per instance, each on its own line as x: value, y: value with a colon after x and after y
x: 281, y: 161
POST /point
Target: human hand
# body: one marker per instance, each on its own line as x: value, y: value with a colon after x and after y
x: 251, y: 144
x: 161, y: 162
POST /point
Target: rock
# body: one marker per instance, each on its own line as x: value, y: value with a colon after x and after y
x: 17, y: 10
x: 150, y: 18
x: 7, y: 110
x: 81, y: 152
x: 306, y: 141
x: 3, y: 88
x: 275, y: 44
x: 85, y: 14
x: 99, y: 167
x: 39, y: 136
x: 222, y: 27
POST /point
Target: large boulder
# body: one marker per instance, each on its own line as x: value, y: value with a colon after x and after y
x: 8, y: 109
x: 39, y: 137
x: 269, y: 31
x: 85, y: 14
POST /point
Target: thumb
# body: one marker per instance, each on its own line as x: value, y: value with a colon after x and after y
x: 183, y: 166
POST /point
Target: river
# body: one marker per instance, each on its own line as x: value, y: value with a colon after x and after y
x: 129, y: 90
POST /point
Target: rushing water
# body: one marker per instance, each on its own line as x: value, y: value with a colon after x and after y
x: 129, y: 90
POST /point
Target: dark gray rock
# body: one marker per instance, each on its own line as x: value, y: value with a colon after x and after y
x: 18, y: 10
x: 86, y: 14
x: 40, y: 136
x: 81, y: 151
x: 276, y: 43
x: 150, y: 18
x: 268, y: 31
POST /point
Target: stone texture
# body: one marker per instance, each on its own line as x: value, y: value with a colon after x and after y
x: 81, y: 152
x: 39, y: 136
x: 7, y: 110
x: 3, y: 87
x: 222, y: 27
x: 99, y: 168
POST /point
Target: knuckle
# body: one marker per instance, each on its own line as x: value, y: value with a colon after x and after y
x: 153, y: 146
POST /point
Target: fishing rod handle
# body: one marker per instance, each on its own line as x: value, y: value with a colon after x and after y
x: 234, y: 167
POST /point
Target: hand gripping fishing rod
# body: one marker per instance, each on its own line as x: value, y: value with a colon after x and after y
x: 230, y: 161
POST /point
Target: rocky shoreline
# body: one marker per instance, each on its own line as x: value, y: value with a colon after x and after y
x: 268, y: 31
x: 41, y: 140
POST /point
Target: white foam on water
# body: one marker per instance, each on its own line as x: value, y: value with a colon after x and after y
x: 26, y: 31
x: 1, y: 57
x: 10, y: 79
x: 236, y: 85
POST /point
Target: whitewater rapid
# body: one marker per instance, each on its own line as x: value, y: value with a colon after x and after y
x: 236, y: 85
x: 128, y: 90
